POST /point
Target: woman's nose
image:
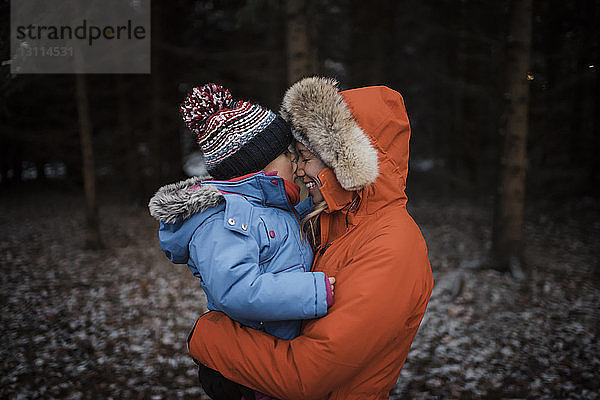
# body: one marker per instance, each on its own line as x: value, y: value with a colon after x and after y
x: 299, y: 171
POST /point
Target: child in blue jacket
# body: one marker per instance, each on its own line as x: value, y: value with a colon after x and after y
x: 239, y: 232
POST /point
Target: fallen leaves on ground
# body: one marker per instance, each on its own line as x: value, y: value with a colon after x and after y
x: 113, y: 323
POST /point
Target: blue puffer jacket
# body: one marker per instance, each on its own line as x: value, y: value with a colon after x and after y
x: 242, y: 240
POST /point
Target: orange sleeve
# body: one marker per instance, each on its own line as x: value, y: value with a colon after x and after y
x: 380, y: 296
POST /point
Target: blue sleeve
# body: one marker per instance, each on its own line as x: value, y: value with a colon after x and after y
x: 228, y: 263
x: 305, y: 207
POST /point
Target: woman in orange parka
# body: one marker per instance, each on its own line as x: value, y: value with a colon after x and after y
x: 368, y: 241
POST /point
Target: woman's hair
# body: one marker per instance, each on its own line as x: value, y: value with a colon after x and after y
x: 310, y: 224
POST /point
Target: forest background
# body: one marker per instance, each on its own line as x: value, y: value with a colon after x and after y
x: 89, y: 150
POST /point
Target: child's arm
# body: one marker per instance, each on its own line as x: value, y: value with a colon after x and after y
x: 228, y: 264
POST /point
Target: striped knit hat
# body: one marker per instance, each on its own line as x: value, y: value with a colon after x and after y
x: 236, y: 137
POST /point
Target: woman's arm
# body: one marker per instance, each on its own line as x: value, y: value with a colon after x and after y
x: 381, y: 296
x: 227, y: 263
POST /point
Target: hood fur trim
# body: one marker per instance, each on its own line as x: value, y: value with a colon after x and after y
x: 322, y: 121
x: 179, y: 200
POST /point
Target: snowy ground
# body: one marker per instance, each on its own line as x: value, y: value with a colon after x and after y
x: 112, y: 324
x: 503, y: 339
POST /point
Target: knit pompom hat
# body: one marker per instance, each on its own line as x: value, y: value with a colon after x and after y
x: 236, y: 136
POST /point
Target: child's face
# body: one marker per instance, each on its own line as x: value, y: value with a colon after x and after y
x: 284, y: 165
x: 309, y: 167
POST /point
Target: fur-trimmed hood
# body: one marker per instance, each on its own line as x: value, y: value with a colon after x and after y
x: 322, y: 122
x: 181, y: 200
x: 361, y: 134
x: 178, y: 202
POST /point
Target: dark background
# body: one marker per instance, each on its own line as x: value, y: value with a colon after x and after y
x: 112, y: 322
x: 446, y: 58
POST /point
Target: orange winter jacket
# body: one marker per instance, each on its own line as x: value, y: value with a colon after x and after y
x: 377, y: 254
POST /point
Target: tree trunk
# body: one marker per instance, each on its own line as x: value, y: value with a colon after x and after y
x: 130, y: 167
x: 301, y: 57
x: 508, y: 239
x: 157, y: 112
x: 595, y: 167
x: 458, y: 24
x: 133, y: 171
x: 92, y: 237
x: 380, y: 17
x: 277, y: 82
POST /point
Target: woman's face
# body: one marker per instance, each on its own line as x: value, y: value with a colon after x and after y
x: 284, y: 165
x: 309, y: 167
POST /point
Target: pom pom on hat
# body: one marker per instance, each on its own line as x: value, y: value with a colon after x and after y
x: 203, y: 102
